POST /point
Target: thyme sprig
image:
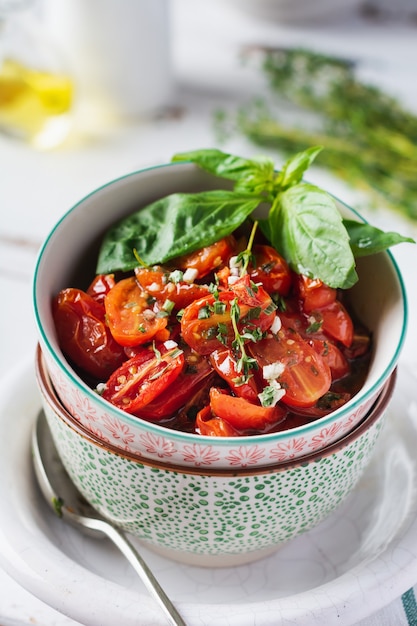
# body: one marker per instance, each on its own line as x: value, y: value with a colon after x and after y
x: 244, y: 363
x: 370, y: 140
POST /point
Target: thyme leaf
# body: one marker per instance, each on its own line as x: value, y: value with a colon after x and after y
x: 369, y: 139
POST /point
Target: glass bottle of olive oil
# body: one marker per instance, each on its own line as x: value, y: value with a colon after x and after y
x: 35, y: 93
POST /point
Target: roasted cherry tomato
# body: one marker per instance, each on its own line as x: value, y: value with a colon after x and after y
x: 335, y: 359
x: 206, y: 324
x: 327, y: 403
x: 132, y: 319
x: 144, y: 377
x: 225, y: 365
x: 83, y: 334
x: 337, y: 323
x: 271, y: 270
x: 361, y: 344
x: 101, y: 286
x: 242, y: 414
x: 210, y: 426
x: 164, y: 287
x: 195, y: 372
x: 314, y: 293
x: 305, y: 376
x: 208, y: 258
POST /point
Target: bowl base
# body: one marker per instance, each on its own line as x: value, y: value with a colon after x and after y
x: 212, y: 560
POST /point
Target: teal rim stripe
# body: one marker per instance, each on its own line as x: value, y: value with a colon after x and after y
x: 410, y: 607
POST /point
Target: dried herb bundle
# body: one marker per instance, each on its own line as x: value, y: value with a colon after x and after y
x: 370, y: 140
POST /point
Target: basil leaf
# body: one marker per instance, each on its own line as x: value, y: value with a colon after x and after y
x: 366, y: 239
x: 306, y: 227
x: 172, y: 226
x: 251, y: 175
x: 293, y: 170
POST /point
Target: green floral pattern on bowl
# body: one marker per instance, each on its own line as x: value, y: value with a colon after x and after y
x: 214, y: 517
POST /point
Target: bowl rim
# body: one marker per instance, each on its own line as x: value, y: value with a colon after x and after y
x: 352, y: 405
x: 52, y: 399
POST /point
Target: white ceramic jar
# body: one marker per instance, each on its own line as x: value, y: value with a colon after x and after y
x: 118, y: 52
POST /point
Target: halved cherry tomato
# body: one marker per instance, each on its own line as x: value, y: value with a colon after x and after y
x: 225, y: 365
x: 333, y: 320
x: 208, y: 258
x: 314, y: 293
x: 131, y: 318
x: 210, y: 426
x: 200, y: 323
x: 271, y: 270
x: 335, y: 359
x: 241, y: 413
x: 195, y: 371
x: 306, y: 376
x: 206, y: 324
x: 327, y: 403
x: 143, y: 377
x: 101, y: 286
x: 361, y: 344
x: 295, y: 320
x: 83, y: 334
x: 158, y: 283
x: 337, y: 323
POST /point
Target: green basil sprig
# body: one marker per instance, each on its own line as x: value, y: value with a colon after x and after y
x: 366, y: 239
x: 173, y: 226
x: 306, y: 227
x: 303, y: 223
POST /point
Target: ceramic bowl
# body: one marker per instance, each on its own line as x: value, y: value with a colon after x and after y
x: 68, y: 258
x: 211, y: 517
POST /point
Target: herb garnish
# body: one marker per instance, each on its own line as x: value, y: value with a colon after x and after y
x: 302, y: 223
x: 57, y: 505
x: 369, y: 138
x: 244, y: 362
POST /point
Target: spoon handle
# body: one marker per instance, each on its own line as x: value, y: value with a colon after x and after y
x: 140, y: 566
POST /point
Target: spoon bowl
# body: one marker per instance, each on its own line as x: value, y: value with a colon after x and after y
x: 69, y: 504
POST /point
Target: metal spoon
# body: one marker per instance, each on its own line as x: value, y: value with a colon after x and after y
x: 68, y: 503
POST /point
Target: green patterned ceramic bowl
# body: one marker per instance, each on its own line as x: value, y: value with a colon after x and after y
x: 68, y: 258
x: 211, y: 517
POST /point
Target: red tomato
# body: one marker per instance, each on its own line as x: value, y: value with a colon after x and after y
x: 241, y: 413
x: 101, y: 286
x: 224, y: 364
x: 327, y: 403
x: 83, y: 334
x: 200, y: 324
x: 131, y: 318
x: 210, y: 426
x: 271, y: 270
x: 306, y: 376
x: 206, y: 324
x: 195, y: 372
x: 209, y: 258
x: 335, y: 359
x: 157, y: 284
x: 333, y: 320
x: 337, y: 323
x: 361, y: 344
x: 314, y: 293
x: 294, y: 320
x: 143, y: 377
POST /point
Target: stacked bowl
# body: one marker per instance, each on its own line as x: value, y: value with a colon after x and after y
x: 199, y: 499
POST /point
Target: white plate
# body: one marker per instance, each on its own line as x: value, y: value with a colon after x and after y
x: 357, y: 561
